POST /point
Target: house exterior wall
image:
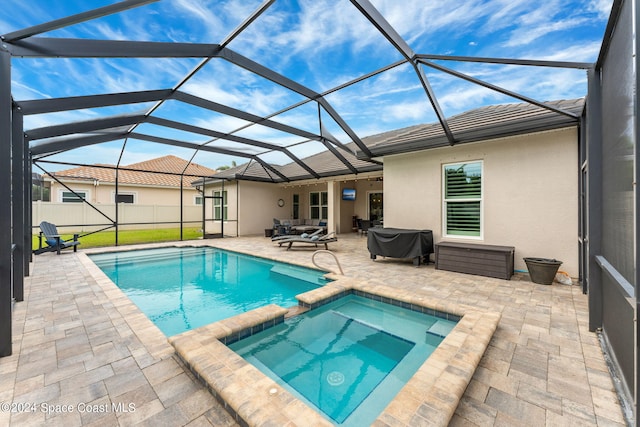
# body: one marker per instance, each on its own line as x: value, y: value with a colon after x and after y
x: 251, y: 207
x: 257, y: 204
x: 151, y: 205
x: 103, y: 193
x: 358, y: 207
x: 530, y: 193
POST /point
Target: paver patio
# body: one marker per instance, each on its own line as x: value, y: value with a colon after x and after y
x: 85, y: 355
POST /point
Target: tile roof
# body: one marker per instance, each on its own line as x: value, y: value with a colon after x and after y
x: 474, y: 125
x: 170, y: 165
x: 323, y: 163
x: 482, y: 123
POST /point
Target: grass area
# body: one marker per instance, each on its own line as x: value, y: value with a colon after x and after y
x: 128, y: 237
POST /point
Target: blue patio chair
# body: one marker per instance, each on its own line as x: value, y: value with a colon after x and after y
x: 53, y: 240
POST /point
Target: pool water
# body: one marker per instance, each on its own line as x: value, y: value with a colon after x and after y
x: 349, y: 358
x: 184, y: 288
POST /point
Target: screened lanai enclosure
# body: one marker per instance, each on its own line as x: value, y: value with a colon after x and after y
x: 271, y: 85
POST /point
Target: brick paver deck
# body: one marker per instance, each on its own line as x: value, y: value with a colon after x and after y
x: 85, y: 355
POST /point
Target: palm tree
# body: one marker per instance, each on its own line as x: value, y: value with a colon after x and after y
x: 224, y: 168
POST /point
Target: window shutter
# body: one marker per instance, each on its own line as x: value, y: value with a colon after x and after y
x: 463, y: 194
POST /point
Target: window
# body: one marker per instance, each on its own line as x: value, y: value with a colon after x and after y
x: 319, y: 205
x: 71, y: 197
x: 124, y: 198
x: 40, y: 190
x: 197, y: 200
x: 220, y: 205
x: 296, y: 206
x: 462, y: 199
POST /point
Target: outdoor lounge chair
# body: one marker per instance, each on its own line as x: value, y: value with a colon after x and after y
x: 279, y: 237
x: 314, y: 240
x: 53, y: 240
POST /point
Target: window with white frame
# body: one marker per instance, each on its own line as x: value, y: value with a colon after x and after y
x: 73, y: 197
x: 319, y: 205
x: 462, y: 203
x: 198, y: 200
x: 220, y: 205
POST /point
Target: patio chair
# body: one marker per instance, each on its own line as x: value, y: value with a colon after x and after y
x: 365, y: 225
x: 279, y: 228
x: 314, y: 240
x: 53, y: 240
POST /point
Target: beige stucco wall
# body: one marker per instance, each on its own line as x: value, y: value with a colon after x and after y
x: 143, y: 195
x: 359, y: 206
x: 151, y: 205
x: 258, y: 205
x: 530, y: 198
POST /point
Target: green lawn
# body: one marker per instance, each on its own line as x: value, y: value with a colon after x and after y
x: 127, y: 237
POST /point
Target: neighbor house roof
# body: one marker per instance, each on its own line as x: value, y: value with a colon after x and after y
x: 134, y: 174
x: 474, y: 125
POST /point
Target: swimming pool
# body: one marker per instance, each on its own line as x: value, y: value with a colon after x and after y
x: 181, y: 288
x: 348, y: 358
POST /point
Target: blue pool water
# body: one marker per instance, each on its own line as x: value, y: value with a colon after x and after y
x: 349, y: 358
x: 183, y: 288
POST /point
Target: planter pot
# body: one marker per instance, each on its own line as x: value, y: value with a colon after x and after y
x: 542, y: 270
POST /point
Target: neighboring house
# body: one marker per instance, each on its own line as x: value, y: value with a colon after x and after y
x: 153, y: 190
x: 511, y: 180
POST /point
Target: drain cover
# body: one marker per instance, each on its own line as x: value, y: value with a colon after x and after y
x: 335, y: 378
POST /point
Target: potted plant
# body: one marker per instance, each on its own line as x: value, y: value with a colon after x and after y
x: 542, y: 270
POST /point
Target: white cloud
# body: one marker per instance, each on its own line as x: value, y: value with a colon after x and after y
x: 110, y: 33
x: 582, y: 52
x: 200, y: 11
x: 525, y: 36
x: 602, y: 7
x: 21, y: 91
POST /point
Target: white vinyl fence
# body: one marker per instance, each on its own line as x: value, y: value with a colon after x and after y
x: 80, y: 217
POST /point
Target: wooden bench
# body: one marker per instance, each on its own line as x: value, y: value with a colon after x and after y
x: 471, y: 258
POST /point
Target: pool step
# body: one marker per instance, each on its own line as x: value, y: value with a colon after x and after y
x: 142, y: 256
x: 310, y: 276
x: 441, y: 328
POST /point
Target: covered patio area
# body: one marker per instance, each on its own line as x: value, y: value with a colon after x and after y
x: 80, y: 344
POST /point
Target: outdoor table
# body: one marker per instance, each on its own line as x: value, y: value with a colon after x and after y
x: 400, y: 243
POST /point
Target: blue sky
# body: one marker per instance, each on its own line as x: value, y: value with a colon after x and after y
x: 320, y: 44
